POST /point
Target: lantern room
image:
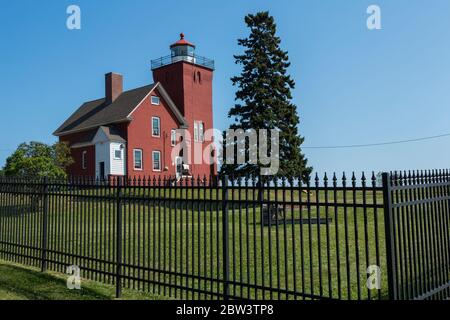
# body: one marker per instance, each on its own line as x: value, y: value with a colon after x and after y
x: 182, y: 48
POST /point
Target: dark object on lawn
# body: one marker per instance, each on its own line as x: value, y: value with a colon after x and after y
x: 277, y: 214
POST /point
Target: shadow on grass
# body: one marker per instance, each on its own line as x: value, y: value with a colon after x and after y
x: 20, y: 283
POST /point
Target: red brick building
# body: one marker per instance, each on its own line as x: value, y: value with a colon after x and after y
x: 132, y: 133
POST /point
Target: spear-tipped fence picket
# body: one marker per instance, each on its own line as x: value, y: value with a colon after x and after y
x: 238, y: 237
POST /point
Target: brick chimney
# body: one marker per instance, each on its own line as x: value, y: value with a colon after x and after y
x: 113, y: 86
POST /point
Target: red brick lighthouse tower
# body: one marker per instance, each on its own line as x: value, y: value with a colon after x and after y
x: 188, y: 78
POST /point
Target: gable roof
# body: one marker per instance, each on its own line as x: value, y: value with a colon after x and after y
x: 97, y: 113
x: 111, y: 133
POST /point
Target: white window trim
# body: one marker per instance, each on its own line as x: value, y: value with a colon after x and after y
x: 153, y: 103
x: 121, y: 154
x: 84, y: 160
x: 173, y: 142
x: 201, y: 131
x: 159, y: 121
x: 134, y: 159
x: 195, y: 131
x: 153, y: 161
x: 199, y: 135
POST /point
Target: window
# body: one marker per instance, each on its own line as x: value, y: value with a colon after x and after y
x: 199, y: 129
x: 195, y: 131
x: 156, y: 130
x: 173, y: 137
x: 155, y: 100
x: 137, y: 159
x: 118, y: 154
x: 84, y: 160
x: 156, y: 161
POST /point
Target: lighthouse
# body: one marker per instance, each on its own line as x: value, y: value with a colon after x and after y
x: 188, y: 78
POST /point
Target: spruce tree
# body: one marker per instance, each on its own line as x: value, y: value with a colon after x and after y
x: 263, y: 98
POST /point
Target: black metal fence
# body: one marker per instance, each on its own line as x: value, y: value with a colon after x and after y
x: 199, y: 238
x: 418, y: 218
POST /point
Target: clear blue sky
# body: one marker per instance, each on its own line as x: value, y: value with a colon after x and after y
x: 354, y: 86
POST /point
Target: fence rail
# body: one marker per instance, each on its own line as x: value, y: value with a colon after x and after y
x: 419, y: 243
x: 230, y: 238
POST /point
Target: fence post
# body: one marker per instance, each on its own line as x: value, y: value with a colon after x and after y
x: 44, y: 225
x: 119, y: 238
x: 389, y: 234
x: 225, y: 238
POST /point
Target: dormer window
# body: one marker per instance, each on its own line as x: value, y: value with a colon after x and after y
x: 155, y: 101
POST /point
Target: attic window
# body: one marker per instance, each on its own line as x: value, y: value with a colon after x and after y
x: 155, y: 100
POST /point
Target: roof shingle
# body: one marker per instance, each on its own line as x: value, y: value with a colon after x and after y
x: 97, y: 113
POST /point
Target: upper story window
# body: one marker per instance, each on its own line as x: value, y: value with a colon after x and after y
x: 84, y: 160
x: 156, y: 127
x: 155, y: 100
x: 199, y: 130
x: 173, y: 137
x: 195, y: 131
x: 137, y: 153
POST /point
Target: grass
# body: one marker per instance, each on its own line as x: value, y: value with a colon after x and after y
x: 186, y: 237
x: 18, y: 282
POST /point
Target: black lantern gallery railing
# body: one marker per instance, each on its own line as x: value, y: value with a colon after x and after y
x: 194, y: 59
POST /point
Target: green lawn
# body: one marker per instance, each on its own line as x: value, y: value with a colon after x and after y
x: 186, y: 237
x: 18, y: 282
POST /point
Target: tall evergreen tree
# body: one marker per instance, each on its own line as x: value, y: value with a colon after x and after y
x: 263, y: 98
